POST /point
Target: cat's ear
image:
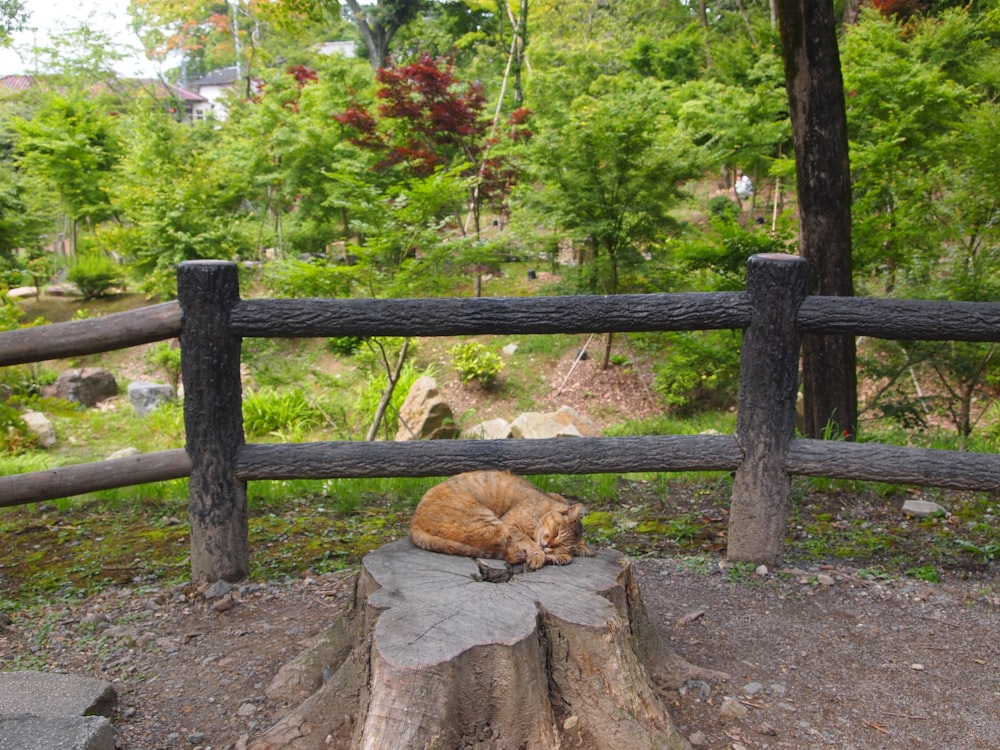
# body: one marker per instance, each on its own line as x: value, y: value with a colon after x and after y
x: 573, y: 513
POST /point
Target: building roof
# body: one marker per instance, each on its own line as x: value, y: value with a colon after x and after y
x: 217, y: 77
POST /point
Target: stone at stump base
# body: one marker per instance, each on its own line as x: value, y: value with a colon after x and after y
x: 432, y: 653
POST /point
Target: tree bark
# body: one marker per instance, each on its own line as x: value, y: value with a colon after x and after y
x: 819, y: 124
x: 439, y: 651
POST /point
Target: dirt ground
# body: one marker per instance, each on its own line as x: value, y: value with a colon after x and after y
x: 817, y: 658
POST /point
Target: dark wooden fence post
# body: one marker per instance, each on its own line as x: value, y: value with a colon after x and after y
x: 765, y: 425
x: 213, y: 419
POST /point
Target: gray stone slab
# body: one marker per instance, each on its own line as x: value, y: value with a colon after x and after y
x: 50, y: 694
x: 56, y: 733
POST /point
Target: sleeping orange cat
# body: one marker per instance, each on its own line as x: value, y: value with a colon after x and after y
x: 496, y: 514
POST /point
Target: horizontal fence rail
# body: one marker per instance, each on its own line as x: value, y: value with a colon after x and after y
x: 479, y: 315
x: 211, y: 320
x: 904, y: 319
x: 77, y: 479
x: 446, y: 457
x: 94, y: 336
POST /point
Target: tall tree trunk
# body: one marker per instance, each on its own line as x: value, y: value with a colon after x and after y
x: 819, y: 123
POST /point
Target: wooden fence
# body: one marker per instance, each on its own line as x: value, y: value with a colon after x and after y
x: 211, y: 320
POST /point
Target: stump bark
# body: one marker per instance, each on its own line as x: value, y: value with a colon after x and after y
x: 435, y: 652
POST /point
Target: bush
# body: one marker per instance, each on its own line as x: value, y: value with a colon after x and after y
x: 309, y: 278
x: 284, y: 413
x: 702, y: 370
x: 168, y: 359
x: 473, y: 361
x: 95, y: 275
x: 15, y: 436
x: 345, y: 346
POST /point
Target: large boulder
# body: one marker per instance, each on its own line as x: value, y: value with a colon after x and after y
x: 87, y: 386
x: 425, y: 415
x: 565, y: 422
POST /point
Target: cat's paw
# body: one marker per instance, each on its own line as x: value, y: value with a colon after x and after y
x: 561, y: 558
x: 536, y: 559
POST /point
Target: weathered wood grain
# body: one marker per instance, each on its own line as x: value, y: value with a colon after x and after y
x: 769, y: 362
x: 79, y: 337
x: 437, y: 658
x: 66, y: 481
x: 898, y: 465
x: 213, y: 421
x: 446, y: 457
x: 467, y: 316
x: 925, y: 320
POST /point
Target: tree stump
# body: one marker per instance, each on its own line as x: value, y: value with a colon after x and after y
x: 439, y: 651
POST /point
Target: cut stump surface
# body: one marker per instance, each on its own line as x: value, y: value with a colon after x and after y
x: 433, y: 653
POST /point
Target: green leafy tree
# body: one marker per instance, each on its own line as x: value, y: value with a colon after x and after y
x: 13, y: 16
x: 70, y: 144
x: 608, y: 174
x: 286, y: 144
x: 927, y: 177
x: 378, y: 23
x: 178, y: 200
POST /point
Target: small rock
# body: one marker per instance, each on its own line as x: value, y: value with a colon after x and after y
x: 124, y: 453
x: 218, y: 590
x: 224, y: 604
x: 697, y: 739
x: 96, y: 620
x: 731, y: 708
x: 761, y: 571
x: 246, y: 710
x: 825, y: 580
x: 703, y: 688
x: 767, y: 730
x: 570, y: 724
x: 917, y: 667
x: 196, y: 738
x: 922, y: 509
x: 752, y: 688
x: 148, y: 397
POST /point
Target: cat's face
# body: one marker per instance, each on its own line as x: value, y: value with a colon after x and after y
x: 561, y: 530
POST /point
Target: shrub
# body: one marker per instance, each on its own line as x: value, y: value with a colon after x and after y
x: 15, y: 436
x: 370, y: 395
x: 473, y: 361
x: 701, y: 371
x: 345, y: 346
x: 168, y: 360
x: 95, y: 275
x: 279, y: 413
x: 309, y: 278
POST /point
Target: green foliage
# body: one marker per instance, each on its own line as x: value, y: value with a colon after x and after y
x: 699, y: 371
x: 179, y: 200
x: 15, y: 437
x: 95, y: 275
x: 344, y: 346
x: 370, y: 395
x: 309, y: 278
x: 70, y: 145
x: 286, y: 413
x: 474, y: 362
x: 608, y: 173
x: 168, y: 360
